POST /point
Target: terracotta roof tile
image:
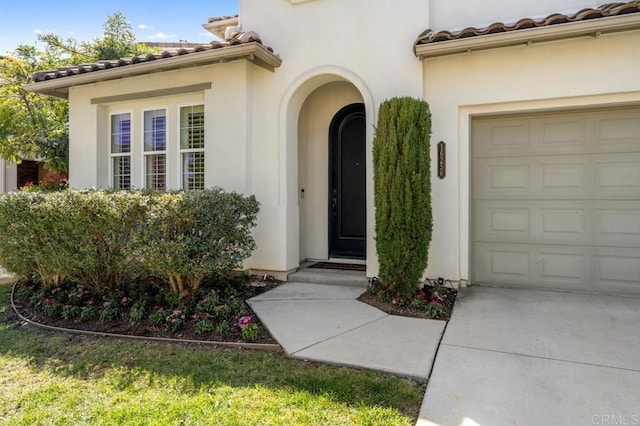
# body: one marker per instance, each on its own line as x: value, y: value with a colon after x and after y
x: 236, y: 39
x: 222, y: 18
x: 606, y: 10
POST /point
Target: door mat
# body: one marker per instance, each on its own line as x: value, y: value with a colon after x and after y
x: 340, y: 266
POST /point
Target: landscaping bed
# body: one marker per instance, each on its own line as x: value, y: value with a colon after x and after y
x: 435, y: 300
x: 220, y: 315
x: 57, y: 378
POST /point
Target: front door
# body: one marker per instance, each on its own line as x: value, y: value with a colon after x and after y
x: 347, y: 183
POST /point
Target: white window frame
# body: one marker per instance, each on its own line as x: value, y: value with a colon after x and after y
x: 113, y: 155
x: 146, y: 154
x: 182, y: 151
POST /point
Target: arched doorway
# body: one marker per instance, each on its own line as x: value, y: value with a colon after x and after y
x: 307, y: 110
x: 347, y: 183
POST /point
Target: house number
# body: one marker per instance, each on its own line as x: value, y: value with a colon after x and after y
x: 442, y: 160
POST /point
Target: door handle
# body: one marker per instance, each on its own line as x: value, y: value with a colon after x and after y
x: 334, y: 206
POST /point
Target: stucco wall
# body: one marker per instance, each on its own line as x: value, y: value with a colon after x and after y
x: 585, y: 72
x: 8, y: 176
x: 322, y: 42
x: 264, y: 128
x: 315, y: 119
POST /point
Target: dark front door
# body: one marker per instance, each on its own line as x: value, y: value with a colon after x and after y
x: 347, y: 183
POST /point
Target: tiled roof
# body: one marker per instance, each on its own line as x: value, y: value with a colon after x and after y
x: 171, y: 45
x: 606, y: 10
x: 222, y: 18
x: 237, y: 39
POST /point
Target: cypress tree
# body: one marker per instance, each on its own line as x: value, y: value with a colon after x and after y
x: 402, y: 185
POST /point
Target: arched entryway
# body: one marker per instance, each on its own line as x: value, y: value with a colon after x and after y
x: 347, y: 183
x: 308, y: 109
x: 327, y: 119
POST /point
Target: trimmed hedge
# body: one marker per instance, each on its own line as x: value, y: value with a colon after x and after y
x: 104, y: 239
x: 402, y: 187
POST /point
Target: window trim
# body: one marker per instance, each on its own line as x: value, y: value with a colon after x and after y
x: 180, y: 168
x: 121, y: 154
x: 145, y: 153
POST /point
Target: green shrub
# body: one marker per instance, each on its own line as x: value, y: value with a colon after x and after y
x: 105, y: 239
x: 21, y: 236
x: 192, y: 235
x: 71, y: 236
x: 402, y: 185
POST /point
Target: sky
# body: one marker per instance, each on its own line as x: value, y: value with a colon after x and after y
x: 159, y: 20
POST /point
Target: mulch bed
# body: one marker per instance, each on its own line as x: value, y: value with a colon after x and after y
x: 146, y: 329
x: 448, y: 295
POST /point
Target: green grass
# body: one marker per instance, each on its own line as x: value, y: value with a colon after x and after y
x: 57, y: 379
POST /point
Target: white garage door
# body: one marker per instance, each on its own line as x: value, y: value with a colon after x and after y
x: 556, y: 201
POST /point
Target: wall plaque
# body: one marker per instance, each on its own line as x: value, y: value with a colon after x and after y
x: 442, y: 160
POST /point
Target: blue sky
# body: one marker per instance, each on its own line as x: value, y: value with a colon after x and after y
x: 21, y: 21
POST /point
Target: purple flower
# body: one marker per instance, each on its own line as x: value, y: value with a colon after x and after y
x: 125, y: 300
x: 243, y: 321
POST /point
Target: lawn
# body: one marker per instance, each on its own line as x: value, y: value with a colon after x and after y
x: 57, y: 379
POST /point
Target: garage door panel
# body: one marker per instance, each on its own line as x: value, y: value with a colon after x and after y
x: 618, y: 130
x: 617, y: 270
x: 501, y: 264
x: 617, y: 224
x: 595, y: 132
x: 527, y: 221
x: 618, y: 176
x: 557, y: 266
x: 559, y: 132
x: 556, y: 201
x: 533, y: 265
x: 532, y: 178
x: 501, y: 137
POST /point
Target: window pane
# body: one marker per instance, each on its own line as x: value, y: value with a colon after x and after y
x: 192, y: 127
x: 121, y: 172
x: 120, y: 133
x: 156, y: 170
x: 193, y: 170
x: 155, y: 130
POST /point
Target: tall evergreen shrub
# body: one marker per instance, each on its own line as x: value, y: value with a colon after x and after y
x: 402, y: 182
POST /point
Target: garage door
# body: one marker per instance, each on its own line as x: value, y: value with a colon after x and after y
x: 556, y: 201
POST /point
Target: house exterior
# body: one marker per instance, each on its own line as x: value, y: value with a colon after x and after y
x: 537, y: 103
x: 8, y: 176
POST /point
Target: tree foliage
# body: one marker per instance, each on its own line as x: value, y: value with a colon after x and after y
x: 117, y: 41
x: 36, y: 126
x: 402, y: 185
x: 31, y: 126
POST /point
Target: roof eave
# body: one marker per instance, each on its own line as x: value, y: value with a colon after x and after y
x: 254, y: 52
x: 219, y: 27
x: 593, y: 28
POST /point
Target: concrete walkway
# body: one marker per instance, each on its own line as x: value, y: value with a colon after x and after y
x: 326, y: 323
x: 530, y: 357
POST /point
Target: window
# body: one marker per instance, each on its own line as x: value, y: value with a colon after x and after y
x: 121, y: 151
x: 192, y: 147
x: 155, y: 149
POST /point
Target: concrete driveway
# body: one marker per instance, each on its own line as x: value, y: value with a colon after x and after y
x: 526, y: 357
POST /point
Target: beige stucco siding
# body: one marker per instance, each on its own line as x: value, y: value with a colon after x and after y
x: 563, y: 75
x: 8, y: 176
